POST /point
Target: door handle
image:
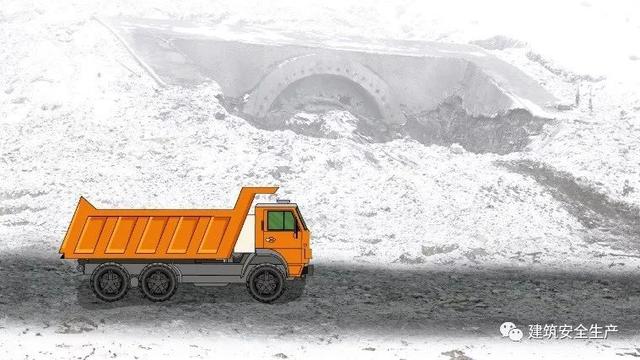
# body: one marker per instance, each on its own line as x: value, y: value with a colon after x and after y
x: 270, y: 239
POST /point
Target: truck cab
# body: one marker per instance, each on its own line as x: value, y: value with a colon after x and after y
x: 280, y: 227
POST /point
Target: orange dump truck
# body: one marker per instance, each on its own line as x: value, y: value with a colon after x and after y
x: 158, y: 249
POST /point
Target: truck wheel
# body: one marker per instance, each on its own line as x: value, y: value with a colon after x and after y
x: 266, y: 283
x: 158, y: 282
x: 110, y: 282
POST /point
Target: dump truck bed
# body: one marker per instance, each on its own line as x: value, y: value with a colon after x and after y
x: 176, y: 234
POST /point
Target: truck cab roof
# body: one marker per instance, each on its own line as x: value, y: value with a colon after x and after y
x: 277, y: 205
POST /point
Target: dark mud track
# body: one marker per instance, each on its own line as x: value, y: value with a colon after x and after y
x: 607, y: 221
x: 40, y: 292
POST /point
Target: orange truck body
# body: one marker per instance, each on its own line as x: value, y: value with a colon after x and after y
x: 157, y: 234
x: 184, y: 235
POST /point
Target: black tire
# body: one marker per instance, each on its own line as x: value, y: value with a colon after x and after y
x: 110, y: 282
x: 158, y: 282
x: 266, y: 283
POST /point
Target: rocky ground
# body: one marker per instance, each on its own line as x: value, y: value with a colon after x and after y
x: 46, y: 298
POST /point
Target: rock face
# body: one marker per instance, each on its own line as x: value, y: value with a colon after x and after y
x: 450, y: 124
x: 391, y: 84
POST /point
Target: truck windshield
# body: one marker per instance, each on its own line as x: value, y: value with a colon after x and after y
x: 301, y: 219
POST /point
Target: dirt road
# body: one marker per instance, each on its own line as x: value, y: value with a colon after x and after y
x: 41, y: 292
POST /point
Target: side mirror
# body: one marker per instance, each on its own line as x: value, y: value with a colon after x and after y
x: 295, y: 229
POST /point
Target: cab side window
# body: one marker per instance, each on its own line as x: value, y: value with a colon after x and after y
x: 280, y: 221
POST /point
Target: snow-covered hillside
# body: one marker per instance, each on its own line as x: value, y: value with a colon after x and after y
x: 79, y: 116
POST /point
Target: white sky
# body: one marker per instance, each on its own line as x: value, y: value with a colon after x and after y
x: 585, y: 36
x: 590, y: 36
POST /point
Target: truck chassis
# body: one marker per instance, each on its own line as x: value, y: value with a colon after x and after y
x: 264, y: 273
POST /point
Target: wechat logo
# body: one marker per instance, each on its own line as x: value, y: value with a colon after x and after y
x: 509, y: 329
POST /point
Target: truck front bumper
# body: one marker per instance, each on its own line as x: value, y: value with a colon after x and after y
x: 307, y: 270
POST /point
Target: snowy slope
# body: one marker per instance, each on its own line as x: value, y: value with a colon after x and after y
x: 88, y: 121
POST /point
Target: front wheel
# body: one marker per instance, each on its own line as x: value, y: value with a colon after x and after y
x: 266, y: 283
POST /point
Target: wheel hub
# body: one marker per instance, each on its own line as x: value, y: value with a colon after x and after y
x: 158, y: 283
x: 110, y: 282
x: 266, y: 283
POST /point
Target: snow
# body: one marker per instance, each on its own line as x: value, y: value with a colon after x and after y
x: 333, y: 124
x: 207, y: 346
x: 79, y: 116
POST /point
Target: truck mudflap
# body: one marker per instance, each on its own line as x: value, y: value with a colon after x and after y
x: 307, y: 270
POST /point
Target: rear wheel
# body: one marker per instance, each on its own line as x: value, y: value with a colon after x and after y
x: 266, y: 283
x: 158, y: 282
x: 110, y: 282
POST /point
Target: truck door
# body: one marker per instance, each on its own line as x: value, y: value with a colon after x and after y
x: 282, y: 233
